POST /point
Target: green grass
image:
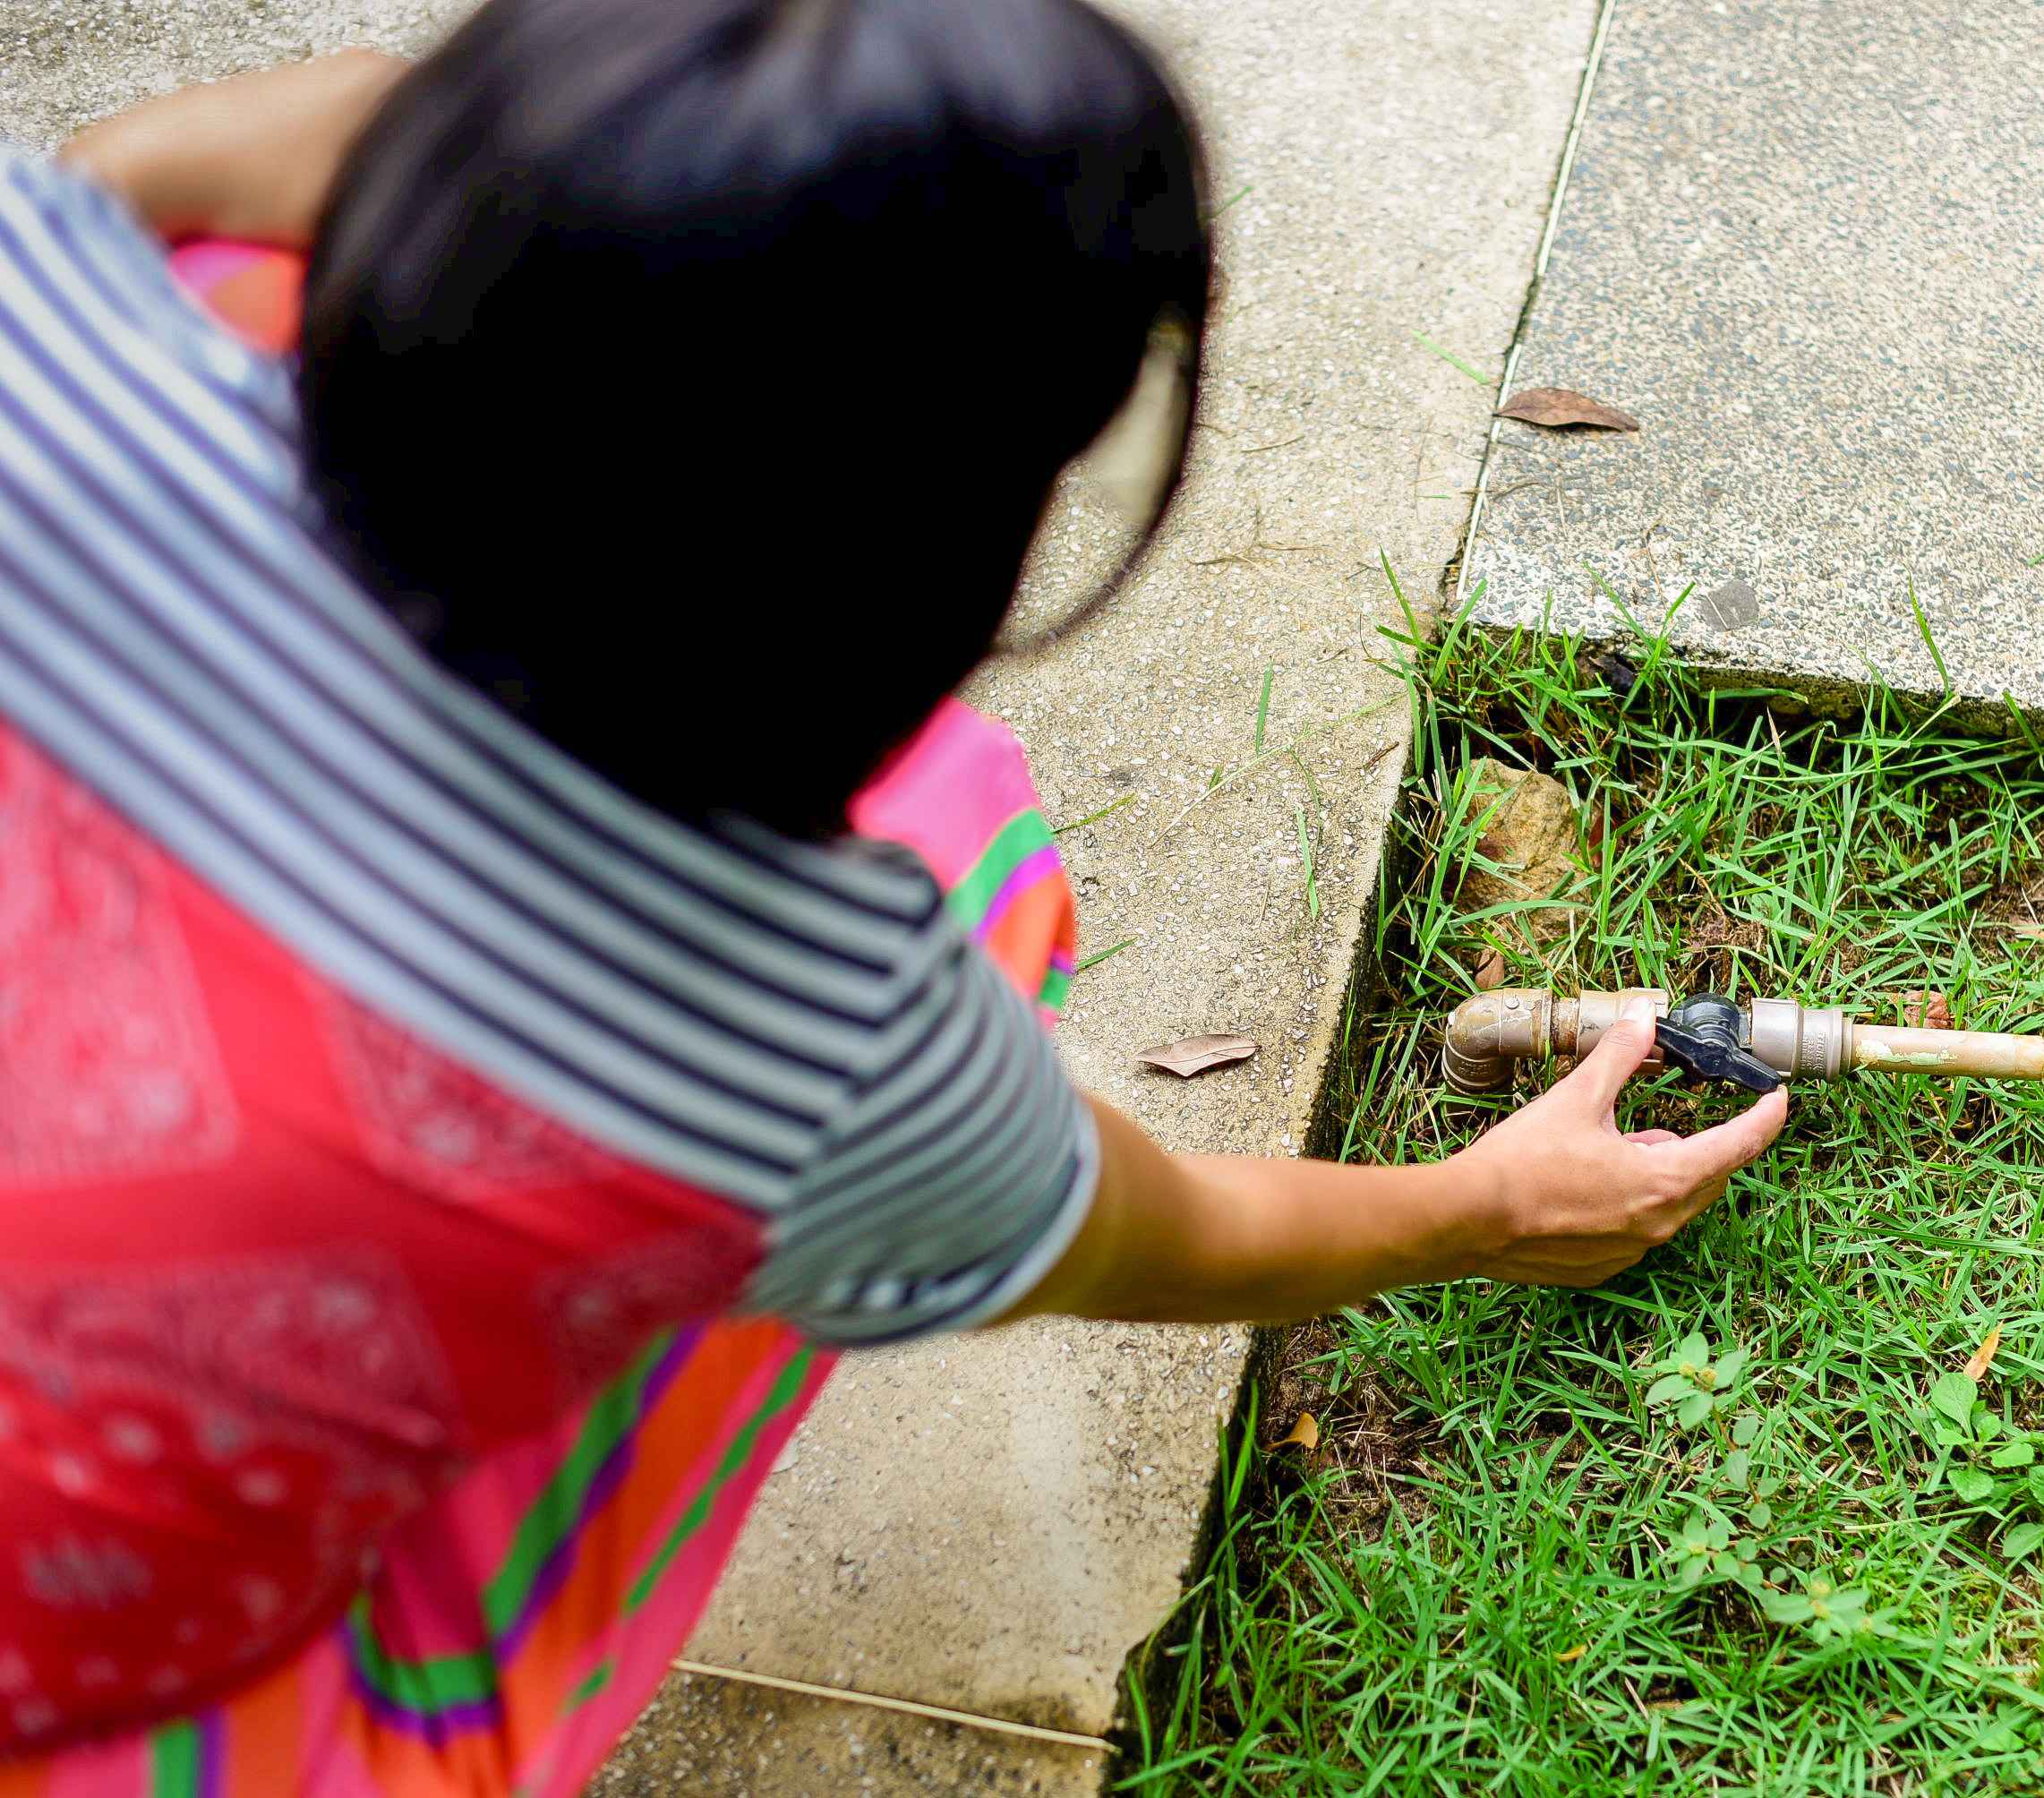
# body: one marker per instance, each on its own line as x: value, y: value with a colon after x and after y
x: 1478, y: 1584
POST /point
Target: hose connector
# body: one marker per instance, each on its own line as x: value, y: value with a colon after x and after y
x: 1801, y: 1042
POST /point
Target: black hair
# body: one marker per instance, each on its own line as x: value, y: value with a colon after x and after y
x: 692, y: 374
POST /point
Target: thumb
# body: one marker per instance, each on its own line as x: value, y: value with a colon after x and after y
x: 1616, y: 1058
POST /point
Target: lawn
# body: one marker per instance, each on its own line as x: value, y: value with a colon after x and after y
x: 1530, y: 1554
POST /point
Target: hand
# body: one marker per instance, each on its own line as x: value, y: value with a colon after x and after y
x: 1578, y: 1200
x: 253, y: 157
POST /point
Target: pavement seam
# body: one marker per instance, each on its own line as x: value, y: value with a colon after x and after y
x: 907, y: 1707
x: 1590, y: 65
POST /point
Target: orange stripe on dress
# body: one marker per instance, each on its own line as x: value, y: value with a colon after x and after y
x: 256, y: 291
x: 22, y: 1780
x: 1037, y: 919
x: 394, y: 1764
x: 264, y: 1736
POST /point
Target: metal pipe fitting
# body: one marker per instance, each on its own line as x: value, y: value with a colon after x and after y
x: 1801, y: 1042
x: 1488, y: 1033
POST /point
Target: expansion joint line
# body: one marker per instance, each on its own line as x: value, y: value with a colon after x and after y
x: 1505, y: 384
x: 1002, y: 1725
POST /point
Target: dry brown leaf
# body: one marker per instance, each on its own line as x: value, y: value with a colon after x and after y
x: 2034, y: 932
x: 1573, y: 1654
x: 1305, y: 1433
x: 1490, y: 972
x: 1194, y: 1054
x: 1556, y: 407
x: 1984, y: 1356
x: 1926, y: 1011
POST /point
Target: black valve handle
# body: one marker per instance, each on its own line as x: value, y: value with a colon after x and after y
x: 1705, y: 1037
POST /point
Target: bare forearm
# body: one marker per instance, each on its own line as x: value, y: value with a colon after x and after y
x: 1212, y: 1238
x: 1554, y: 1195
x: 253, y: 156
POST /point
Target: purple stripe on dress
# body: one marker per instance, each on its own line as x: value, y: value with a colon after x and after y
x: 553, y: 1573
x: 1038, y: 864
x: 212, y: 1755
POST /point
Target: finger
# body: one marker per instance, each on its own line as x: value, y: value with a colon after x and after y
x: 1648, y: 1138
x: 1605, y: 1071
x: 1716, y: 1154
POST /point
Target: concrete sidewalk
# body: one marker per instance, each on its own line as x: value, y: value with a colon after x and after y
x: 1805, y: 246
x: 991, y: 1524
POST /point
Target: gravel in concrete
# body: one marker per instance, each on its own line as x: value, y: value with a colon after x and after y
x: 65, y: 62
x: 1805, y: 245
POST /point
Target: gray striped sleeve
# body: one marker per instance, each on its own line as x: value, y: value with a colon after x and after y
x: 951, y: 1180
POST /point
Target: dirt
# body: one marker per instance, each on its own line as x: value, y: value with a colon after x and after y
x: 1362, y: 1434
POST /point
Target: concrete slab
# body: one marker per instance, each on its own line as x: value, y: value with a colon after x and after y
x: 993, y: 1523
x: 715, y: 1739
x: 61, y: 66
x: 1802, y: 244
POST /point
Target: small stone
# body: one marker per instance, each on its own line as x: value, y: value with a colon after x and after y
x: 1730, y: 607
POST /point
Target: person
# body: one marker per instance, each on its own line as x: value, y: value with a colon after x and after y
x: 513, y: 956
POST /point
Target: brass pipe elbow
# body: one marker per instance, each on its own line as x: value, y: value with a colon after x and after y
x: 1487, y: 1033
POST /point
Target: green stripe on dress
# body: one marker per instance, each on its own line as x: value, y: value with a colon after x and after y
x: 555, y: 1513
x: 596, y: 1682
x: 1055, y: 990
x: 444, y: 1680
x: 449, y: 1681
x: 1018, y: 839
x: 440, y: 1683
x: 174, y: 1762
x: 783, y: 1395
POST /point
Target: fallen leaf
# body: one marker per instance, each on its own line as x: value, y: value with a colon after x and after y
x: 1573, y: 1654
x: 1926, y: 1011
x: 2034, y: 932
x: 1305, y: 1433
x: 1193, y: 1054
x: 1490, y: 972
x: 1559, y: 405
x: 1984, y: 1356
